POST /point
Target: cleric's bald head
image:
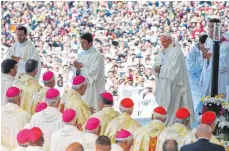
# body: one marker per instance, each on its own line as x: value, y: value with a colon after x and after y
x: 75, y: 147
x: 203, y: 130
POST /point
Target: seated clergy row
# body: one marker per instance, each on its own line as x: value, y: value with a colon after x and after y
x: 79, y: 124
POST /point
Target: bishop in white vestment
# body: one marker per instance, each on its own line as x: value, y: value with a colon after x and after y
x: 22, y: 138
x: 90, y: 64
x: 92, y: 131
x: 48, y: 120
x: 35, y: 139
x: 4, y: 148
x: 124, y: 141
x: 62, y: 138
x: 38, y: 97
x: 172, y: 87
x: 13, y: 119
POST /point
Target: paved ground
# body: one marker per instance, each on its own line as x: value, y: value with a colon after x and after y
x: 143, y: 112
x: 143, y: 121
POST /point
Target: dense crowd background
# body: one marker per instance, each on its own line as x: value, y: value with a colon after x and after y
x: 126, y: 34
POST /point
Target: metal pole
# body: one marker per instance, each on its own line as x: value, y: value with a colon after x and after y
x: 215, y: 60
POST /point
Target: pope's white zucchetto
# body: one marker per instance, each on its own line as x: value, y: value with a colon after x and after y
x: 167, y: 34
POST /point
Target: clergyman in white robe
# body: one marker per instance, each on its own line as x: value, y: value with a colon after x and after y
x: 88, y: 141
x: 6, y: 82
x: 13, y: 119
x: 4, y: 148
x: 94, y: 71
x: 48, y: 120
x: 194, y: 64
x: 115, y: 147
x: 34, y: 148
x: 172, y: 87
x: 223, y: 81
x: 20, y: 148
x: 63, y: 137
x: 25, y: 50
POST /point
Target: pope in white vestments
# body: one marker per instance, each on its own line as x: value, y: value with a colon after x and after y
x: 172, y: 87
x: 63, y: 137
x: 90, y: 64
x: 24, y: 50
x: 13, y: 119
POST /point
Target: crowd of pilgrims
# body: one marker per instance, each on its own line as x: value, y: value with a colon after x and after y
x: 37, y: 118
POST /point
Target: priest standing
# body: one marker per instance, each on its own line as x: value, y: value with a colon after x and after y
x: 205, y: 81
x: 172, y: 87
x: 194, y: 64
x: 90, y: 64
x: 24, y: 50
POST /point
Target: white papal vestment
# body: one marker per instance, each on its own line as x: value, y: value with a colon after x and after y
x: 172, y: 87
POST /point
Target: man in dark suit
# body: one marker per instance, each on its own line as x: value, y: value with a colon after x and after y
x: 203, y: 134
